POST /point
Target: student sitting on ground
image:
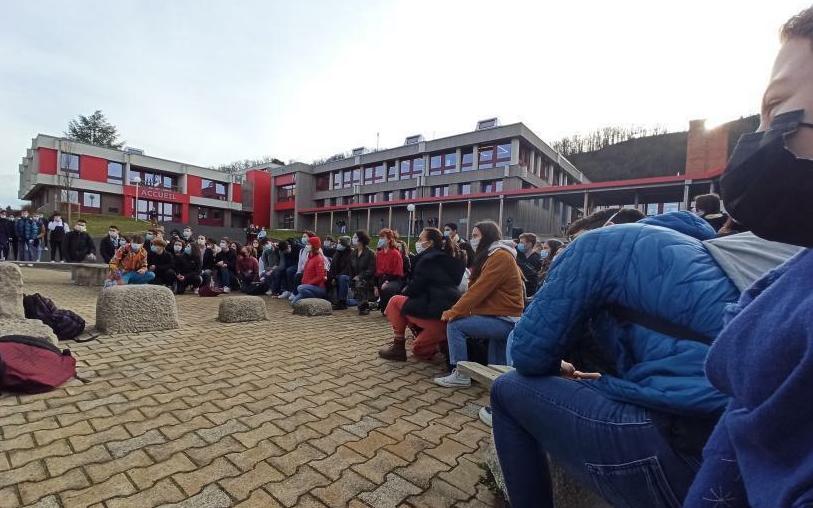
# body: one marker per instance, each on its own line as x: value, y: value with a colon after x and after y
x: 362, y: 264
x: 109, y: 244
x: 490, y: 307
x: 341, y: 271
x: 431, y: 291
x: 186, y: 267
x: 248, y: 269
x: 708, y: 207
x: 314, y: 276
x: 638, y: 305
x: 129, y: 264
x: 529, y: 261
x: 159, y: 261
x: 389, y: 269
x: 226, y: 266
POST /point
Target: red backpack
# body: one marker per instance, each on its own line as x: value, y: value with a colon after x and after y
x: 33, y: 365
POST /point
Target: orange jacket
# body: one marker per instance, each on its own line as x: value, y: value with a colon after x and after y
x: 498, y: 291
x: 128, y: 261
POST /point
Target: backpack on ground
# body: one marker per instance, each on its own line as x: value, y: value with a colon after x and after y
x: 33, y: 364
x: 66, y: 324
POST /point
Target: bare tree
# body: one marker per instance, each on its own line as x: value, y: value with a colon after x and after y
x: 66, y: 177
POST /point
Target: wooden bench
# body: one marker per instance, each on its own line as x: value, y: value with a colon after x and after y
x: 567, y: 492
x: 82, y: 274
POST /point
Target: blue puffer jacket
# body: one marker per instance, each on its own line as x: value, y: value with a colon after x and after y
x: 27, y: 229
x: 657, y: 267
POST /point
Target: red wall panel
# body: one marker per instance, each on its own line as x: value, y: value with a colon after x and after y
x: 193, y: 185
x: 284, y: 179
x: 261, y: 197
x: 92, y: 168
x: 47, y: 161
x: 237, y: 193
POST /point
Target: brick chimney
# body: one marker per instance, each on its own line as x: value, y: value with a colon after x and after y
x: 706, y: 150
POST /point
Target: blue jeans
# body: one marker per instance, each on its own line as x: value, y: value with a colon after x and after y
x: 494, y: 329
x: 309, y: 291
x: 290, y: 279
x: 138, y: 278
x: 617, y: 449
x: 27, y: 251
x: 224, y: 277
x: 342, y: 285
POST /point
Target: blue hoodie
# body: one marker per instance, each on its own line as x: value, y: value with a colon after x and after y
x: 761, y: 453
x: 647, y: 267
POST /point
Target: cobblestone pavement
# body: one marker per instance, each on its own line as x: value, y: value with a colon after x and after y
x: 296, y: 411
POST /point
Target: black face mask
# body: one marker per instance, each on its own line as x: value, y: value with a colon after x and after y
x: 767, y: 188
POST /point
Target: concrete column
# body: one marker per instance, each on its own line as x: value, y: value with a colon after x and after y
x: 330, y: 183
x: 468, y: 219
x: 331, y: 222
x: 316, y: 222
x: 426, y: 164
x: 532, y: 161
x: 458, y: 162
x: 514, y: 152
x: 686, y: 189
x: 502, y: 204
x: 637, y: 201
x: 475, y: 158
x: 440, y: 214
x: 126, y: 175
x: 368, y: 219
x: 397, y: 170
x: 183, y: 186
x: 586, y: 206
x: 389, y: 218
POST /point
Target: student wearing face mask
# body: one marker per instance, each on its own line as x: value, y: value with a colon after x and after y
x: 271, y: 264
x: 329, y: 247
x: 547, y: 251
x: 708, y: 207
x: 187, y: 235
x: 248, y: 269
x: 529, y: 261
x: 341, y: 271
x: 389, y: 269
x: 362, y: 263
x: 79, y: 246
x: 186, y: 266
x: 314, y: 276
x: 109, y: 244
x: 149, y: 236
x: 56, y: 235
x: 226, y: 266
x: 304, y: 255
x: 450, y: 231
x: 760, y: 452
x: 129, y: 264
x: 432, y: 290
x: 40, y: 243
x: 27, y: 232
x: 159, y: 261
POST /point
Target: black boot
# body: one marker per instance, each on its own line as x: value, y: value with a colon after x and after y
x: 364, y: 309
x: 340, y: 305
x: 395, y: 352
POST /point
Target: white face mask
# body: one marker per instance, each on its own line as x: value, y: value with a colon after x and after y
x: 354, y: 241
x: 187, y: 234
x: 201, y: 241
x: 420, y: 247
x: 474, y: 242
x: 304, y: 239
x: 177, y: 248
x: 308, y: 248
x: 79, y: 227
x: 135, y: 246
x: 223, y: 246
x: 113, y: 234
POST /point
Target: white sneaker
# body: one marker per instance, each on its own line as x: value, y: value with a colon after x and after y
x: 269, y: 292
x: 485, y: 415
x: 454, y: 380
x: 52, y: 261
x: 196, y: 291
x: 284, y: 295
x: 227, y: 289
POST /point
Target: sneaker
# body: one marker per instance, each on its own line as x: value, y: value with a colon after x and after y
x: 227, y: 289
x: 196, y: 290
x: 269, y: 292
x: 284, y: 295
x: 485, y: 415
x: 340, y: 306
x: 291, y: 297
x: 52, y: 261
x: 454, y: 380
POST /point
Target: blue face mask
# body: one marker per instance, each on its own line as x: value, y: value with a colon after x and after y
x: 187, y: 250
x: 135, y: 246
x: 268, y: 246
x: 340, y: 247
x: 149, y: 236
x: 544, y: 254
x: 153, y: 248
x: 382, y: 242
x: 521, y: 247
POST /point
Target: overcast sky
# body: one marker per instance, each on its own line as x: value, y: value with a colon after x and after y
x: 210, y: 82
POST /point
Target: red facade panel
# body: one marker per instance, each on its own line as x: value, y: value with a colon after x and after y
x: 237, y: 193
x: 47, y: 161
x: 92, y: 168
x: 284, y: 179
x: 261, y: 197
x: 193, y: 185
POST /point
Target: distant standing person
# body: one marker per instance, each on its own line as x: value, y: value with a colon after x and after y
x: 6, y: 233
x: 56, y: 229
x: 450, y: 232
x: 27, y: 232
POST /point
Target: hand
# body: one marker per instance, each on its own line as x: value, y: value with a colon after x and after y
x: 446, y: 316
x: 568, y: 370
x: 181, y: 277
x: 152, y: 268
x: 142, y: 271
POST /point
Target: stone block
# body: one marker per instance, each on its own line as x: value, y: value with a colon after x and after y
x: 313, y: 307
x: 11, y: 292
x: 29, y: 327
x: 238, y: 309
x: 89, y: 274
x: 136, y: 308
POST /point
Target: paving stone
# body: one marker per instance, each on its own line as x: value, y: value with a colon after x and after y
x: 102, y: 471
x: 59, y: 465
x: 391, y: 493
x: 21, y: 457
x: 211, y: 497
x: 259, y: 499
x: 192, y: 482
x: 340, y: 492
x: 82, y: 443
x: 122, y: 448
x: 32, y: 491
x: 117, y: 485
x: 145, y: 477
x: 305, y: 480
x: 32, y: 471
x: 241, y: 486
x: 161, y: 493
x: 333, y: 465
x: 377, y: 467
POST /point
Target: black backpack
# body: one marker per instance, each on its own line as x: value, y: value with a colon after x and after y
x: 66, y: 324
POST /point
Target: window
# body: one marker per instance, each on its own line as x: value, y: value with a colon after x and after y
x: 392, y: 172
x: 440, y: 191
x: 167, y: 212
x: 467, y: 161
x: 337, y: 180
x: 210, y: 216
x: 286, y: 192
x: 287, y: 221
x: 91, y: 200
x: 70, y: 163
x: 440, y: 164
x: 115, y: 172
x: 435, y: 164
x: 347, y: 178
x: 485, y: 157
x: 212, y: 189
x: 323, y: 182
x: 409, y: 194
x: 503, y: 154
x: 320, y: 203
x: 370, y: 198
x: 368, y: 175
x: 380, y: 173
x: 69, y: 196
x: 492, y: 186
x: 465, y: 188
x: 356, y: 176
x: 152, y: 179
x: 347, y: 200
x: 332, y: 202
x: 417, y: 167
x: 389, y: 196
x: 406, y: 170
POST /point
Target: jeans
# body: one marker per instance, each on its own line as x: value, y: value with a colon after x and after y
x: 494, y: 329
x: 617, y: 449
x: 224, y: 277
x: 342, y: 286
x: 290, y: 278
x: 309, y: 291
x: 137, y: 278
x: 27, y: 251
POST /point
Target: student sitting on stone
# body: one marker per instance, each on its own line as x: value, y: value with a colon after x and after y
x: 129, y: 264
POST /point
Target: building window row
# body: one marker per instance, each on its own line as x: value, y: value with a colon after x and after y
x: 155, y: 179
x: 213, y: 189
x: 286, y: 192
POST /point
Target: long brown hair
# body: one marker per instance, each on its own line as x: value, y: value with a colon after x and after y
x: 489, y: 233
x: 447, y: 245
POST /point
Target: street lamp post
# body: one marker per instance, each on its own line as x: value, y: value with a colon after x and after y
x: 136, y: 180
x: 411, y: 215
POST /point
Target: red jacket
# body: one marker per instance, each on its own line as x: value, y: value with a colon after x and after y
x: 247, y: 264
x: 389, y: 263
x: 314, y: 272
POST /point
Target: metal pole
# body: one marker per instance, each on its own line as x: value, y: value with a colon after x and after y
x: 468, y: 219
x: 135, y: 208
x: 368, y: 219
x: 316, y: 222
